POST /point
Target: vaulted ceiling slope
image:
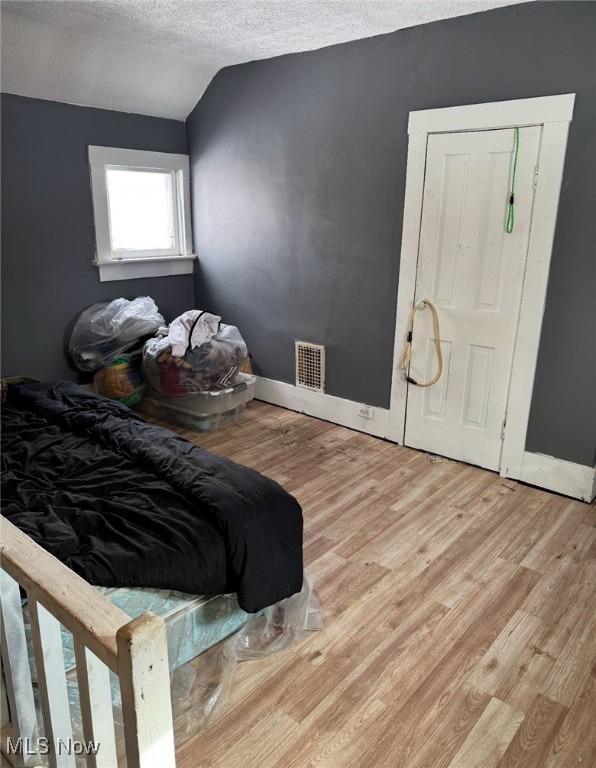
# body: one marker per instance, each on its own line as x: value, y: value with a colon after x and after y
x: 156, y: 57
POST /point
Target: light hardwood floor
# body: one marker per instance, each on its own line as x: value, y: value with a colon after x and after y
x: 460, y: 609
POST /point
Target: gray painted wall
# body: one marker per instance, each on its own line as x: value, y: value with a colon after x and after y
x: 298, y: 171
x: 48, y: 239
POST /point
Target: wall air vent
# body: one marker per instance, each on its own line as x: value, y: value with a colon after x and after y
x: 310, y: 366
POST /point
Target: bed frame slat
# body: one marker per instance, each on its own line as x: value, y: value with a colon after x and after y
x: 95, y: 696
x: 51, y: 677
x: 16, y: 670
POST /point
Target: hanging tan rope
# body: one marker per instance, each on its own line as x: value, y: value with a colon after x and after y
x: 405, y: 362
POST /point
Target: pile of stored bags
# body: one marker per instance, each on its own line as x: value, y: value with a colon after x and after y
x: 196, y: 354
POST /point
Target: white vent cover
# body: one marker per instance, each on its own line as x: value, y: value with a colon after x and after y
x: 310, y: 366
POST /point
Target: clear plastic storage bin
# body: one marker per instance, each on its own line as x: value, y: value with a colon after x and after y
x: 204, y: 411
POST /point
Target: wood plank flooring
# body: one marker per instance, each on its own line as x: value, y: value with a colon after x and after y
x: 460, y: 615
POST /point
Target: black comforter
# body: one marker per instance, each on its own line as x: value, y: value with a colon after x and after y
x: 125, y: 503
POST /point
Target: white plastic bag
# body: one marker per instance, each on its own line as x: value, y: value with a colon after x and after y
x: 103, y: 331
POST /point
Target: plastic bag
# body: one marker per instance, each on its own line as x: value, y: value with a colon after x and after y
x: 211, y: 365
x: 104, y: 331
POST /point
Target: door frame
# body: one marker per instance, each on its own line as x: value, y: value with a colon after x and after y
x: 553, y: 114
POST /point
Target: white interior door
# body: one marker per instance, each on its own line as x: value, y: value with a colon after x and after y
x: 472, y: 270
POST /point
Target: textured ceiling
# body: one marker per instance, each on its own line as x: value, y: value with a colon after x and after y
x: 156, y: 57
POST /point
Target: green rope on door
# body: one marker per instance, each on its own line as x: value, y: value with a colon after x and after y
x: 510, y: 206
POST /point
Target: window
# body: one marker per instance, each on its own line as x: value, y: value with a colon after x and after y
x: 141, y: 204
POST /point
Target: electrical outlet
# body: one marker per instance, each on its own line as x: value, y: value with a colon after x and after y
x: 365, y: 411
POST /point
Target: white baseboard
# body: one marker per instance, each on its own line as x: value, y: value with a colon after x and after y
x: 323, y: 406
x: 575, y: 480
x: 547, y: 472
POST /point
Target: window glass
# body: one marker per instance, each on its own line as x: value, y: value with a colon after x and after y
x: 141, y: 206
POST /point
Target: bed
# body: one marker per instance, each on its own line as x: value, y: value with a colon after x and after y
x: 157, y: 524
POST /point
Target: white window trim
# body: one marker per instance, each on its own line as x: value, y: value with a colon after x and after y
x: 147, y: 264
x: 553, y: 113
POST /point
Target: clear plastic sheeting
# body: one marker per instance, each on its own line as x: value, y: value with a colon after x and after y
x: 211, y: 365
x: 104, y: 331
x: 201, y: 687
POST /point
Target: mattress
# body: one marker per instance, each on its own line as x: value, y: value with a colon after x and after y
x: 194, y: 623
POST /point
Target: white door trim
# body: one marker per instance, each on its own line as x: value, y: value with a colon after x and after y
x: 495, y: 114
x: 553, y: 113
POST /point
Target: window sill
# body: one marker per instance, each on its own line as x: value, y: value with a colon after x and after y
x: 156, y: 266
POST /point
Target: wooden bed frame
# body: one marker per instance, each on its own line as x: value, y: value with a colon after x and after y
x: 105, y: 638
